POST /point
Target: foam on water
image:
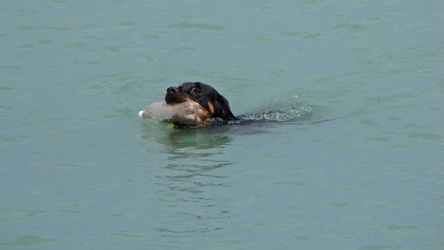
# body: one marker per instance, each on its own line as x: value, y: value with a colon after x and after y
x: 283, y: 114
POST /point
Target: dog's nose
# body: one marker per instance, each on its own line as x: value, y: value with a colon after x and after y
x: 172, y: 90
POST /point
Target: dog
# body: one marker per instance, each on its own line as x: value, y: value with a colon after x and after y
x: 191, y: 104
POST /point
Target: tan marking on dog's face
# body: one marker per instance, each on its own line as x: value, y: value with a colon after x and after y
x: 210, y: 105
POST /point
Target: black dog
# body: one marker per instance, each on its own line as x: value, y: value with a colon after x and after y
x: 215, y: 109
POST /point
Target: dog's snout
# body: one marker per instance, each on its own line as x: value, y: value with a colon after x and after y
x: 172, y: 90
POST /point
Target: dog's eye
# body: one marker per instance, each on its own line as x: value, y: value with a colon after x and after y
x: 196, y: 91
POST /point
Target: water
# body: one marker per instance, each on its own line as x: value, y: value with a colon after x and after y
x: 79, y: 170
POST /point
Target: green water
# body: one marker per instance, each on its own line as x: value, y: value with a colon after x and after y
x: 80, y: 170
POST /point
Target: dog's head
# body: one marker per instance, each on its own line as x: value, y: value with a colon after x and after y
x: 211, y: 102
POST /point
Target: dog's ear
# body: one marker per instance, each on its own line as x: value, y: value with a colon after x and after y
x: 223, y: 108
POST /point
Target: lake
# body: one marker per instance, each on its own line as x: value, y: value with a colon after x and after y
x: 363, y: 169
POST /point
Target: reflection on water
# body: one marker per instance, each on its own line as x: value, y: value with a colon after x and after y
x: 191, y: 177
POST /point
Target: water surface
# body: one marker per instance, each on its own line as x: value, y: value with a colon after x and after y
x: 79, y: 170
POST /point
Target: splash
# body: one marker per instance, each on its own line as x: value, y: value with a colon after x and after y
x: 283, y: 114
